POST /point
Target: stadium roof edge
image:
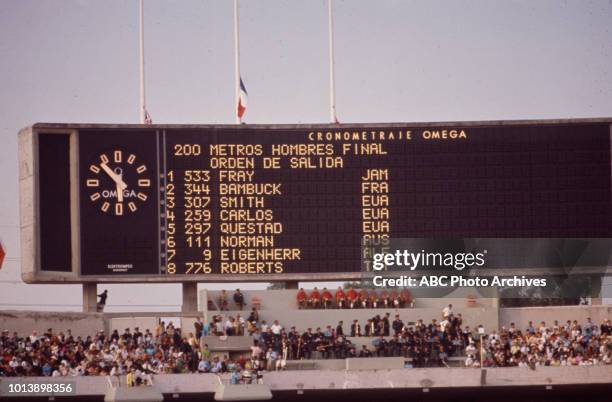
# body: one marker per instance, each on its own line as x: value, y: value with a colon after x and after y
x: 483, y: 123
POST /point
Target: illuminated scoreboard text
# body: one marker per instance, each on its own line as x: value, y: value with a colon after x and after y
x: 255, y: 202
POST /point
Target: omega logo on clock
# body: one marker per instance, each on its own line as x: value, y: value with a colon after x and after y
x: 118, y: 183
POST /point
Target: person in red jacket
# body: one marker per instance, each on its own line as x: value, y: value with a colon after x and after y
x: 301, y: 298
x: 363, y: 298
x: 394, y: 298
x: 373, y: 300
x: 315, y: 298
x: 327, y: 298
x: 351, y: 297
x: 383, y: 299
x: 406, y: 298
x: 340, y: 298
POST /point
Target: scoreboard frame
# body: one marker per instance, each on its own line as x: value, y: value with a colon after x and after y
x: 30, y: 197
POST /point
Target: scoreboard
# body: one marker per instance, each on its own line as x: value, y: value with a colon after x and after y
x: 223, y: 203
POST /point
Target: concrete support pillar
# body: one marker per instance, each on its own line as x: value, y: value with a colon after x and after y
x: 190, y: 297
x: 90, y: 297
x: 596, y: 291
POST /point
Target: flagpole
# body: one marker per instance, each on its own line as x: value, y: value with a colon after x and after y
x: 143, y: 105
x: 237, y: 63
x: 332, y: 84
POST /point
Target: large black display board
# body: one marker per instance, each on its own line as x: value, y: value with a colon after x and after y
x: 258, y: 201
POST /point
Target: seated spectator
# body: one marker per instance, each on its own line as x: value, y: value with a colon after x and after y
x: 302, y: 298
x: 363, y: 298
x: 204, y: 366
x: 254, y: 316
x: 351, y: 297
x: 373, y: 301
x: 383, y: 299
x: 606, y: 328
x: 236, y: 376
x: 380, y: 345
x: 365, y: 352
x: 314, y: 300
x: 406, y: 299
x: 394, y: 299
x: 326, y: 298
x: 340, y: 298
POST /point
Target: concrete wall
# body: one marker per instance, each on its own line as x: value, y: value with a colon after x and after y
x: 522, y: 315
x: 83, y: 324
x: 372, y: 379
x: 24, y: 322
x: 375, y: 363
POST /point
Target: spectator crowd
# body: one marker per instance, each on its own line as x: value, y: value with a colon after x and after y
x: 569, y: 344
x: 139, y: 355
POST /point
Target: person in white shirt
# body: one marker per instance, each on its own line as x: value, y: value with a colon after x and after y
x: 276, y: 328
x: 255, y: 351
x: 447, y: 311
x: 542, y: 328
x: 443, y: 324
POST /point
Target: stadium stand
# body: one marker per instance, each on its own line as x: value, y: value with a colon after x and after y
x: 139, y: 355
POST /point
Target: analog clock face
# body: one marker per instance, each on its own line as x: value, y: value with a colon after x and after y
x: 118, y: 183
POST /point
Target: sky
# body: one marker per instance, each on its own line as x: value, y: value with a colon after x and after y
x: 396, y: 61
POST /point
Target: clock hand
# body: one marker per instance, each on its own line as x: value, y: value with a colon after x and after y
x: 119, y: 192
x: 116, y: 178
x: 120, y: 182
x: 109, y: 172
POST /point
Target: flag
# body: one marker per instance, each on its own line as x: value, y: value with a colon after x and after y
x: 2, y: 254
x: 148, y: 119
x: 242, y: 100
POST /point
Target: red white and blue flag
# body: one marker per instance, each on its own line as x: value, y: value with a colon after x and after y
x: 242, y: 100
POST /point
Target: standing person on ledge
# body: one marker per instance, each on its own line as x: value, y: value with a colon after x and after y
x: 102, y: 301
x: 239, y: 299
x: 447, y: 312
x: 355, y: 328
x: 199, y: 328
x: 340, y: 329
